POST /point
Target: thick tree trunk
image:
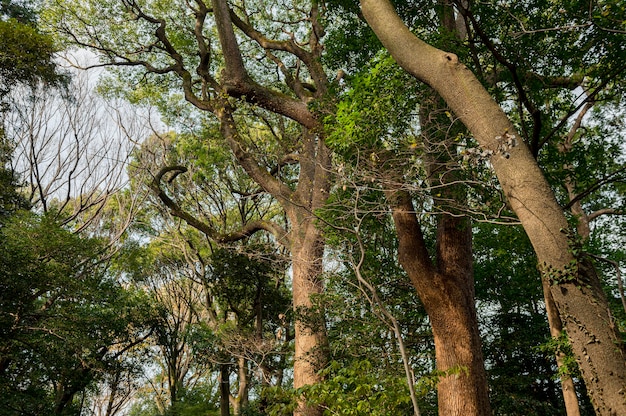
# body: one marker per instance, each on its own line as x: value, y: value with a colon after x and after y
x: 307, y: 250
x: 447, y: 292
x: 574, y: 284
x: 310, y: 333
x: 304, y: 240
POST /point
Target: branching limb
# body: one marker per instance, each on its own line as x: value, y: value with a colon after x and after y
x: 617, y: 176
x: 238, y: 83
x: 261, y: 176
x: 176, y: 210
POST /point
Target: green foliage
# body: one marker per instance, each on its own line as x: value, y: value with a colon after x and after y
x: 249, y: 286
x: 25, y: 56
x: 375, y: 113
x: 519, y: 362
x: 19, y: 10
x: 63, y: 321
x: 561, y: 345
x: 360, y: 390
x: 10, y: 199
x: 357, y: 388
x: 350, y: 43
x: 196, y: 401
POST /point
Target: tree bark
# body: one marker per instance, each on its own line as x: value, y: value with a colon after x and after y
x: 568, y: 388
x: 224, y: 381
x: 447, y: 291
x: 573, y: 283
x: 310, y: 334
x: 307, y: 249
x: 240, y: 402
x: 305, y: 241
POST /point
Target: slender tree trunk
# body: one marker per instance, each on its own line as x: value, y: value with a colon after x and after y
x: 224, y: 381
x: 447, y: 292
x: 241, y: 401
x: 573, y: 282
x: 568, y: 388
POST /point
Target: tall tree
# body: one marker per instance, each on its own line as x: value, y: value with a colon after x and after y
x: 395, y: 154
x: 243, y: 293
x: 213, y: 75
x: 572, y: 280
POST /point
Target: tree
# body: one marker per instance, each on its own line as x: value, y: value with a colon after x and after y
x: 192, y: 57
x: 69, y: 147
x: 573, y: 281
x: 518, y: 353
x: 222, y: 302
x: 26, y: 53
x: 394, y: 154
x: 65, y: 323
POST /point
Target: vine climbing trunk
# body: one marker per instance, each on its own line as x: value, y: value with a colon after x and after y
x: 573, y: 281
x: 572, y: 407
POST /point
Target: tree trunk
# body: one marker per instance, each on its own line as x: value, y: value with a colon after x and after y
x: 447, y: 292
x: 568, y: 388
x: 573, y: 282
x: 304, y: 240
x: 224, y: 381
x: 307, y: 250
x: 310, y: 334
x: 240, y: 402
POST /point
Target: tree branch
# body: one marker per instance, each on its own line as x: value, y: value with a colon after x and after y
x: 238, y: 83
x: 613, y: 177
x: 175, y: 209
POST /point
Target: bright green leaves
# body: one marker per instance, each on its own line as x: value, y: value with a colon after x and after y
x: 561, y: 346
x: 375, y: 113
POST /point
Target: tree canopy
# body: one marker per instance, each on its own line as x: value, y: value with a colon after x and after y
x: 361, y: 208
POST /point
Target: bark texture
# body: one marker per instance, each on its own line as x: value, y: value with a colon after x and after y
x: 305, y: 242
x: 574, y: 284
x: 446, y: 288
x: 572, y: 407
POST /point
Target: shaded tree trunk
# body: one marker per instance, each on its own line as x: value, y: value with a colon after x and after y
x: 446, y: 288
x: 224, y: 380
x: 573, y: 282
x: 241, y: 401
x: 307, y: 249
